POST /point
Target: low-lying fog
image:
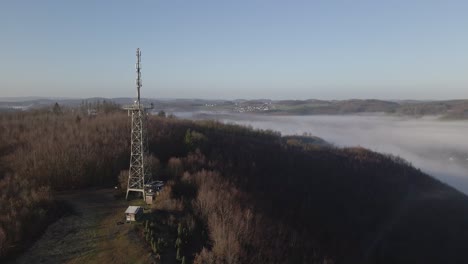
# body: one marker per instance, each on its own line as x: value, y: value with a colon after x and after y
x: 439, y: 148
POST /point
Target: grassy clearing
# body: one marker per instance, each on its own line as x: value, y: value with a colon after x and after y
x: 91, y: 234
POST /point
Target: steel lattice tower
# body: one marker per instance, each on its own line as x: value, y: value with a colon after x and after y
x: 138, y: 174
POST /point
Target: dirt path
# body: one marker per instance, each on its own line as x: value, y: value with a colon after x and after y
x: 91, y: 235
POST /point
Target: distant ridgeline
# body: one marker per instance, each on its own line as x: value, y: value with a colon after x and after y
x: 256, y: 196
x: 455, y: 109
x: 452, y: 109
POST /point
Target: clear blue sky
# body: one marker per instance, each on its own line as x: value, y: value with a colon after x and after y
x: 392, y: 49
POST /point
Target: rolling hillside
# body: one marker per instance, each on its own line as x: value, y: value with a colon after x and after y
x: 245, y: 196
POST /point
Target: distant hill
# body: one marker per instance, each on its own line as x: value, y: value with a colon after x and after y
x: 314, y: 107
x: 449, y: 109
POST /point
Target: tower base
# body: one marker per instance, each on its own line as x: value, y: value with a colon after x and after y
x: 142, y: 191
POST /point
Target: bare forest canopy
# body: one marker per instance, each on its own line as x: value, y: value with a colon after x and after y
x: 449, y: 109
x: 260, y: 197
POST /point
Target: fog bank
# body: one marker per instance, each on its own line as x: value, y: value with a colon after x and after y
x: 439, y: 148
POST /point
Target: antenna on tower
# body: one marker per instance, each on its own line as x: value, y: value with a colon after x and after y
x: 138, y: 173
x: 138, y: 71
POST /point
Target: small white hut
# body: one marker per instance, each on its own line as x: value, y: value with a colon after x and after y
x: 133, y: 213
x: 149, y: 197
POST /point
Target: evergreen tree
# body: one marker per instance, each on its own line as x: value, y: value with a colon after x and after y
x: 178, y: 242
x: 179, y: 230
x: 178, y: 254
x: 57, y: 109
x: 162, y: 113
x: 154, y: 247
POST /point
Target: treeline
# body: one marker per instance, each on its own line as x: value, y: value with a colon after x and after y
x: 53, y: 149
x: 449, y: 109
x: 98, y: 106
x: 66, y: 150
x: 311, y: 202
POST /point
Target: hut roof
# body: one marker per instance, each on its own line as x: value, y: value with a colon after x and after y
x: 132, y: 209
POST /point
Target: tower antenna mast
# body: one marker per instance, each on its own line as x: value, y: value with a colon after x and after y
x: 138, y: 173
x: 138, y: 71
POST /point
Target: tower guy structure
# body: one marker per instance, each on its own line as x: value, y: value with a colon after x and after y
x: 138, y: 174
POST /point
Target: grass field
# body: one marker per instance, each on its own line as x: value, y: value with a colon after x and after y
x: 91, y: 234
